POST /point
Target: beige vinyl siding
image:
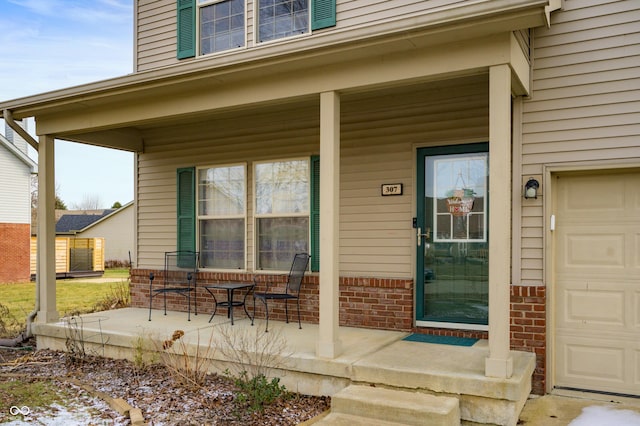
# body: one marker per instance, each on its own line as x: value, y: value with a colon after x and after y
x: 226, y: 139
x: 156, y: 34
x: 379, y: 134
x: 585, y: 104
x: 156, y: 45
x: 355, y: 13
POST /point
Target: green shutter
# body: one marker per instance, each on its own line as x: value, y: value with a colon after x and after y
x: 323, y: 14
x: 186, y: 37
x: 315, y: 214
x: 186, y: 209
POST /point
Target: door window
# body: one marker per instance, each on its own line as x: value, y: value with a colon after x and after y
x: 453, y: 251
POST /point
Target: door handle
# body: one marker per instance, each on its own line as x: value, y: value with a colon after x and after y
x: 419, y: 235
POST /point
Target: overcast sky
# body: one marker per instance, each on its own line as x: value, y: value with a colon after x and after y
x: 48, y: 45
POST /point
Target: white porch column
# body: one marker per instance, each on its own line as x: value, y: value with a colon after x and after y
x: 499, y: 363
x: 328, y: 341
x: 46, y: 269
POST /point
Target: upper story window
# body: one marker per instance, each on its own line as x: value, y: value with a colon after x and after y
x: 222, y: 25
x: 282, y: 18
x: 212, y: 26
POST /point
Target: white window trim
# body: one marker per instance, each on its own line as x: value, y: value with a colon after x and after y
x: 245, y: 216
x: 200, y: 5
x: 256, y: 24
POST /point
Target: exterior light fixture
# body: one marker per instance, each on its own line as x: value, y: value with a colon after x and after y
x: 531, y: 188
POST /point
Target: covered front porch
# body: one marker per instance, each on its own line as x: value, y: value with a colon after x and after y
x: 378, y: 358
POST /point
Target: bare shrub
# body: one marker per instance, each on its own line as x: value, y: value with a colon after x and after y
x: 9, y: 324
x: 76, y: 339
x: 252, y: 350
x: 118, y: 296
x: 254, y: 354
x: 117, y: 264
x: 188, y: 364
x: 144, y: 354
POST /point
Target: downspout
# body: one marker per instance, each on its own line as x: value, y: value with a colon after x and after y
x: 8, y: 118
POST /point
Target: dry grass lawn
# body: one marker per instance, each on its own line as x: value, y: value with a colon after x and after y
x: 73, y: 296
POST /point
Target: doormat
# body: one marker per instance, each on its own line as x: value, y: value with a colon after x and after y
x: 441, y: 340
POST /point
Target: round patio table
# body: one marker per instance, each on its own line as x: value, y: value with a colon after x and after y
x: 230, y: 303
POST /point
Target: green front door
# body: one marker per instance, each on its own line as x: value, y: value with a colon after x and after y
x: 452, y: 237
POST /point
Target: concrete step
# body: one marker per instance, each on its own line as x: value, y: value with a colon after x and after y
x: 339, y: 419
x: 394, y: 407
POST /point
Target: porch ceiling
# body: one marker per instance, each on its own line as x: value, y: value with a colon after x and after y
x: 115, y: 113
x: 156, y: 134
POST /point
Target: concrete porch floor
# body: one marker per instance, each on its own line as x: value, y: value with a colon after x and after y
x: 376, y: 357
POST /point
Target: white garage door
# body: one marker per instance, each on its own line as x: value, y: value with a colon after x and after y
x: 597, y: 282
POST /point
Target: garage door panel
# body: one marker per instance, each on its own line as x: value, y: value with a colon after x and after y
x: 597, y: 282
x: 601, y: 367
x: 603, y: 197
x: 589, y: 362
x: 594, y: 250
x: 589, y: 307
x: 603, y: 306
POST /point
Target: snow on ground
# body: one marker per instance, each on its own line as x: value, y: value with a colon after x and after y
x: 74, y: 415
x: 604, y: 416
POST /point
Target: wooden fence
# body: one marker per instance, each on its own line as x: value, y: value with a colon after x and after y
x: 75, y: 257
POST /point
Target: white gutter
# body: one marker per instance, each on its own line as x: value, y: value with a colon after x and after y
x: 553, y: 5
x: 8, y: 117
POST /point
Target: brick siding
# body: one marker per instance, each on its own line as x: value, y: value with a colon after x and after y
x: 528, y: 328
x: 364, y: 302
x: 15, y: 252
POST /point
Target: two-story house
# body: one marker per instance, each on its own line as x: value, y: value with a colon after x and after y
x: 469, y: 168
x: 15, y: 215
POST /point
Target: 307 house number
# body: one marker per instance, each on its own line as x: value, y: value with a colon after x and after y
x: 391, y: 189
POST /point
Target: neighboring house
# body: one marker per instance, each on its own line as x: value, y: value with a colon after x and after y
x: 71, y: 222
x: 115, y: 226
x: 393, y: 141
x: 117, y: 229
x: 15, y: 214
x: 87, y: 240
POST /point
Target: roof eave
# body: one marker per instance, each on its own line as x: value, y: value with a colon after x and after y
x: 429, y: 28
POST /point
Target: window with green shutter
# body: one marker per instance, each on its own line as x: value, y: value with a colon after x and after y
x: 221, y: 24
x: 186, y: 238
x: 323, y: 14
x: 186, y: 37
x: 286, y: 211
x: 221, y: 216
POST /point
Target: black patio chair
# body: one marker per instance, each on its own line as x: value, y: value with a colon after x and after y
x: 180, y: 268
x: 291, y: 292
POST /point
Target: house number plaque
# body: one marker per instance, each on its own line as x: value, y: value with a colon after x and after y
x: 391, y: 189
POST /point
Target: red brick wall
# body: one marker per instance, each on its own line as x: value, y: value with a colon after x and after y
x: 528, y: 328
x: 379, y: 303
x: 364, y: 302
x: 15, y: 255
